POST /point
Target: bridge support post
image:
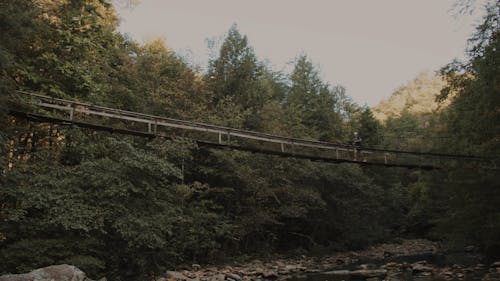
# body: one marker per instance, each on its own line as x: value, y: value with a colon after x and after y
x: 337, y: 153
x: 282, y: 147
x: 385, y: 158
x: 149, y: 128
x: 220, y: 138
x: 71, y: 112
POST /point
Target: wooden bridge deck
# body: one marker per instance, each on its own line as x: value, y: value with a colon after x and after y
x: 61, y: 111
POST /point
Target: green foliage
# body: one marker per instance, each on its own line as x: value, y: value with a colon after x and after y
x: 315, y: 106
x: 236, y: 73
x: 165, y: 82
x: 106, y: 194
x: 130, y: 208
x: 473, y: 121
x: 459, y: 204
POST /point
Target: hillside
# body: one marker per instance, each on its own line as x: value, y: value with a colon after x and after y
x: 417, y: 96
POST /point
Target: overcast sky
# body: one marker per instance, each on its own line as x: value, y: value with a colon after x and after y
x: 369, y: 47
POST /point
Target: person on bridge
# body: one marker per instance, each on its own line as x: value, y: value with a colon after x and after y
x: 356, y: 144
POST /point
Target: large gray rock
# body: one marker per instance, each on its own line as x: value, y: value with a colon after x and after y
x: 61, y: 272
x: 362, y: 273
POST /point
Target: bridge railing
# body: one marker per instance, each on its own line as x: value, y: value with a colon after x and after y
x: 153, y: 124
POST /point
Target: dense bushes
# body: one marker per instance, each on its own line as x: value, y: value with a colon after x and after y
x: 128, y: 207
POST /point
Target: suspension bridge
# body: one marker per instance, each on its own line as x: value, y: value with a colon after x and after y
x: 40, y: 108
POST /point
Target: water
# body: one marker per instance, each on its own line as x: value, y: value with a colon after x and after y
x: 437, y: 261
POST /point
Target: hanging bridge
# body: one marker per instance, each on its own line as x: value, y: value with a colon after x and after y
x: 40, y: 108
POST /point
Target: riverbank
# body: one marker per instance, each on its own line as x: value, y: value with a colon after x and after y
x: 416, y: 259
x: 285, y: 268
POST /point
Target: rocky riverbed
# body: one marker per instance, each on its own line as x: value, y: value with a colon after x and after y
x: 383, y: 262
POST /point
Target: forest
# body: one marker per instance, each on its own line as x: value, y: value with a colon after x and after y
x: 129, y: 207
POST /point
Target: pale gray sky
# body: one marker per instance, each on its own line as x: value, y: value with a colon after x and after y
x: 369, y: 47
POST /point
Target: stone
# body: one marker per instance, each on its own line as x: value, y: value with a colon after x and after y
x: 61, y: 272
x: 338, y: 272
x: 417, y: 267
x: 496, y: 264
x: 174, y: 275
x: 233, y: 276
x: 392, y: 265
x: 189, y: 274
x: 491, y: 277
x: 367, y: 266
x: 362, y: 273
x: 196, y: 266
x: 291, y: 268
x: 469, y: 249
x: 367, y: 273
x: 218, y: 277
x: 270, y: 274
x: 447, y: 273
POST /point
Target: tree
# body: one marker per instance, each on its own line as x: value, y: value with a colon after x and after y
x: 473, y: 123
x: 164, y: 83
x: 235, y: 72
x: 369, y: 128
x: 314, y: 103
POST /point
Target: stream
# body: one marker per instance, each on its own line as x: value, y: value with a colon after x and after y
x: 428, y: 267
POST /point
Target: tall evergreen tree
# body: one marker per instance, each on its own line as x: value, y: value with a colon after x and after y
x: 235, y: 72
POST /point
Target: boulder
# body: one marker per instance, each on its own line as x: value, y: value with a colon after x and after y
x: 61, y: 272
x: 234, y: 276
x: 218, y: 277
x: 418, y: 267
x: 174, y: 275
x: 189, y: 274
x: 367, y: 266
x: 362, y: 273
x: 392, y: 266
x: 338, y: 272
x: 270, y: 274
x: 367, y: 273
